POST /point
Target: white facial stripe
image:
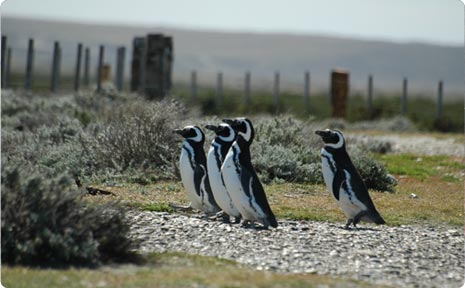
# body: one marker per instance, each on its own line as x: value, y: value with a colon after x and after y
x: 231, y: 136
x: 248, y: 131
x: 198, y: 136
x: 339, y: 143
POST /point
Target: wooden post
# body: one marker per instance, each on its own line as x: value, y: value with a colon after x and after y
x: 86, y: 67
x: 55, y: 61
x: 276, y: 90
x: 153, y: 78
x: 29, y: 65
x: 101, y: 55
x: 339, y: 92
x: 403, y: 108
x: 439, y: 108
x: 307, y: 89
x: 193, y: 86
x: 370, y: 95
x: 3, y: 60
x: 8, y: 67
x: 219, y: 88
x: 59, y: 58
x: 120, y: 68
x: 247, y: 88
x: 77, y: 73
x: 138, y: 44
x: 167, y: 63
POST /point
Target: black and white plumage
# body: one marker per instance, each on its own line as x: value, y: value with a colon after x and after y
x: 193, y: 168
x: 240, y: 177
x: 225, y: 136
x: 344, y: 182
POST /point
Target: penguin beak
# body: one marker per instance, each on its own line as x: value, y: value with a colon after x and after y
x: 211, y: 127
x: 178, y: 131
x: 322, y: 133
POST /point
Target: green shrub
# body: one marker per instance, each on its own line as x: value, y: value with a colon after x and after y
x: 138, y: 135
x: 45, y: 222
x: 374, y: 174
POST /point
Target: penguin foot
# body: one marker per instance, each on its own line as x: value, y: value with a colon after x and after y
x: 226, y: 218
x: 349, y: 221
x: 246, y: 224
x: 237, y: 219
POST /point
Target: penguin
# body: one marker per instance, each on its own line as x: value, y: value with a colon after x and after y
x: 225, y: 136
x: 344, y: 182
x: 193, y: 168
x: 241, y: 180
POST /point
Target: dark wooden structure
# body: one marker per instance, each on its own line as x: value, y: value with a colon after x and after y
x: 151, y: 65
x: 339, y: 93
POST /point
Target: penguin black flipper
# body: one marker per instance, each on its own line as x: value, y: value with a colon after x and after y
x: 339, y: 178
x: 248, y: 174
x: 199, y: 173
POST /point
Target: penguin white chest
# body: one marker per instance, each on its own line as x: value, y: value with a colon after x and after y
x: 328, y: 168
x: 186, y: 165
x: 231, y: 177
x: 347, y: 201
x: 222, y: 197
x: 231, y: 170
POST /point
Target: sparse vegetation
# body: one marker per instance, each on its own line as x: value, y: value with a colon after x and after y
x: 45, y: 222
x: 169, y: 270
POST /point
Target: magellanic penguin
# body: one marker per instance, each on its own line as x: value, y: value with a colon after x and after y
x: 241, y: 179
x: 193, y: 168
x: 225, y: 136
x: 344, y: 182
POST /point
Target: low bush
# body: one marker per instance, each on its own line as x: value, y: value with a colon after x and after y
x: 46, y: 222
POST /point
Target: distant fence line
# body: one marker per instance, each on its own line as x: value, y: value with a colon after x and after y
x: 339, y: 83
x: 338, y: 94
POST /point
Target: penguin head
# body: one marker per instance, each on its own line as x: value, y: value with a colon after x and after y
x: 243, y: 127
x: 332, y: 138
x: 192, y: 133
x: 223, y: 131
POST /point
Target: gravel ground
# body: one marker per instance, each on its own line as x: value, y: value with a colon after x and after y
x: 405, y: 256
x: 424, y: 145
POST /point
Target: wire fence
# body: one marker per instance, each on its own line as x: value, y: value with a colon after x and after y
x: 69, y: 65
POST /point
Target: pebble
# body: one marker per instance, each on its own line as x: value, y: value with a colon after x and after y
x: 403, y: 256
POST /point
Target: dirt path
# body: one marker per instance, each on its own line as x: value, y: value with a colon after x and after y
x: 405, y: 256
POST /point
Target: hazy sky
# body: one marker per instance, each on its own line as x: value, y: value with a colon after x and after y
x: 433, y: 21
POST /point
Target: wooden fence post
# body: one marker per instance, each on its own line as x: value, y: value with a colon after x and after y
x: 29, y: 65
x: 339, y: 92
x: 307, y: 89
x: 153, y: 80
x: 77, y: 73
x: 3, y: 59
x: 370, y: 95
x: 439, y: 108
x: 247, y: 88
x: 101, y: 55
x: 120, y: 68
x: 193, y: 86
x: 219, y: 88
x: 403, y: 108
x: 86, y: 67
x: 276, y: 91
x: 55, y: 61
x: 8, y: 67
x: 137, y: 67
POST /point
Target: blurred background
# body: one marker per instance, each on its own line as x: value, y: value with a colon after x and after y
x: 277, y: 52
